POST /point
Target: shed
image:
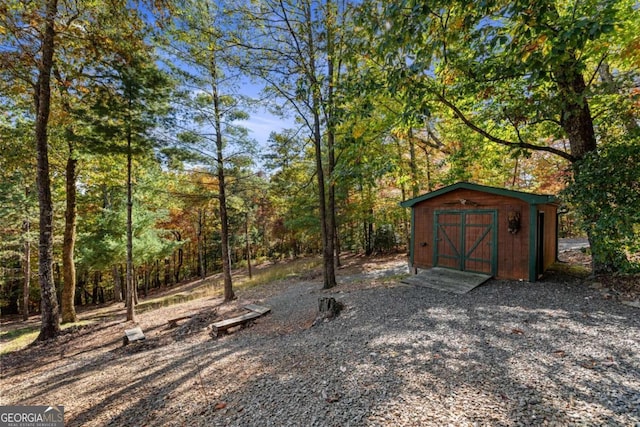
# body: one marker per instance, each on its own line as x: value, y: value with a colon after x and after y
x: 469, y: 227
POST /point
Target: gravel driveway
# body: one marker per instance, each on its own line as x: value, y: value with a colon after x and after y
x: 506, y: 354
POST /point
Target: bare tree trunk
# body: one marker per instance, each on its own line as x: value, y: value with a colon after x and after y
x: 136, y: 282
x: 204, y: 242
x: 201, y: 272
x: 131, y: 294
x: 146, y: 275
x: 331, y: 134
x: 413, y: 166
x: 329, y: 276
x: 177, y: 265
x: 167, y: 271
x: 26, y: 265
x: 229, y: 295
x: 96, y: 285
x: 117, y: 284
x: 68, y: 265
x: 338, y: 249
x: 156, y: 276
x: 50, y: 326
x: 247, y: 244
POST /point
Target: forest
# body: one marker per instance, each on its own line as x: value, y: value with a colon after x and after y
x: 129, y: 162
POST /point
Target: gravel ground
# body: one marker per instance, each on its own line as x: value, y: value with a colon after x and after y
x: 506, y: 354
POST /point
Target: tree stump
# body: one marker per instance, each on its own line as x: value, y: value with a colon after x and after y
x: 328, y: 309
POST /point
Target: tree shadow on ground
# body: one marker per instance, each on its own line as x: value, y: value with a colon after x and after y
x: 501, y: 355
x: 504, y: 354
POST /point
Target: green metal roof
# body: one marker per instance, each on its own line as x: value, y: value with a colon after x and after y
x: 532, y: 199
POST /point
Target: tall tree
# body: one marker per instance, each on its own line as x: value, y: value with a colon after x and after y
x: 296, y: 50
x: 517, y: 75
x: 50, y: 326
x: 201, y: 41
x: 129, y: 106
x: 27, y: 43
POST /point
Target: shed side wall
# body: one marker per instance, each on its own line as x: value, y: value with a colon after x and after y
x: 550, y: 234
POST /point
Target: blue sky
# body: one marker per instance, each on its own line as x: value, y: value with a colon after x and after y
x: 261, y: 123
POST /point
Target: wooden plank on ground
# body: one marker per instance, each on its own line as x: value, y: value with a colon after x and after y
x: 255, y: 312
x: 223, y: 325
x: 257, y: 308
x: 448, y: 280
x: 132, y: 335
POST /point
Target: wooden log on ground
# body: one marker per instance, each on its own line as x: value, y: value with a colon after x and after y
x: 174, y: 322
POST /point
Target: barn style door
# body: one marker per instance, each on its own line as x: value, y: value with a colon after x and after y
x: 466, y: 240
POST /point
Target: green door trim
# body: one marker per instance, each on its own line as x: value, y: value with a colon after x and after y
x: 464, y: 254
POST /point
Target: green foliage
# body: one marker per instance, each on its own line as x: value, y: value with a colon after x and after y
x: 293, y: 195
x: 606, y: 192
x: 386, y: 239
x: 102, y: 237
x: 409, y: 81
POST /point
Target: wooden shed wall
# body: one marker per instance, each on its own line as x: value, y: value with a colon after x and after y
x: 550, y: 235
x: 513, y: 249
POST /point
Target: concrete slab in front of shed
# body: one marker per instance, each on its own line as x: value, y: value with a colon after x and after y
x: 448, y: 280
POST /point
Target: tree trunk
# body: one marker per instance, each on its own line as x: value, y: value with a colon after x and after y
x: 68, y: 265
x: 146, y: 276
x: 577, y: 122
x: 117, y: 284
x: 200, y: 246
x: 413, y: 166
x: 156, y: 276
x: 96, y: 285
x: 26, y: 265
x: 576, y: 118
x: 229, y: 295
x: 50, y: 327
x: 131, y: 294
x: 331, y: 134
x: 81, y: 296
x: 338, y: 248
x: 177, y: 265
x: 204, y: 242
x: 329, y: 277
x: 167, y: 271
x: 247, y: 244
x: 136, y: 280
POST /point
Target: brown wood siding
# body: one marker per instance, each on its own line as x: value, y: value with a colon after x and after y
x: 513, y: 249
x: 550, y: 226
